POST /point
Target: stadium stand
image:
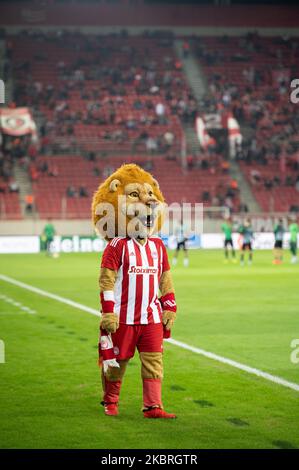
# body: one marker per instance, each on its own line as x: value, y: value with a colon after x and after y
x: 97, y: 94
x: 101, y: 111
x: 276, y: 189
x: 9, y: 205
x: 250, y: 76
x: 65, y: 183
x: 106, y: 98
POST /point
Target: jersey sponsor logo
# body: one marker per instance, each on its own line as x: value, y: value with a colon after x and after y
x: 141, y: 270
x: 132, y: 253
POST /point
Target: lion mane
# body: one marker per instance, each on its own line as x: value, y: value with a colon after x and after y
x: 114, y: 186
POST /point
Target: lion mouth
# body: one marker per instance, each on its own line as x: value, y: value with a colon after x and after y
x: 147, y: 220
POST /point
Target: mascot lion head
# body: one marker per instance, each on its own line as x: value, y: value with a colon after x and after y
x: 128, y: 203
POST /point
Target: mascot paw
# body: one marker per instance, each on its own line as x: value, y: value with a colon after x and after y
x: 109, y: 322
x: 168, y: 319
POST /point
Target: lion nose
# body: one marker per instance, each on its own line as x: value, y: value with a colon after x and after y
x: 152, y: 203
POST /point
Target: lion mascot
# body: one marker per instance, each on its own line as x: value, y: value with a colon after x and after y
x: 127, y: 210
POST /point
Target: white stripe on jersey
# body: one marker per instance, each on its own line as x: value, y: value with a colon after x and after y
x: 145, y: 289
x: 152, y: 247
x: 161, y: 260
x: 115, y: 241
x: 132, y: 284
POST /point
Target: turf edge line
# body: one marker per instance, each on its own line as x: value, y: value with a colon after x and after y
x: 202, y: 352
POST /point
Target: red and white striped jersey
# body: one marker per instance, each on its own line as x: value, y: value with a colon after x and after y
x: 139, y: 269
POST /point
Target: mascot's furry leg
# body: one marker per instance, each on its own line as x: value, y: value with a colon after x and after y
x: 111, y: 382
x: 152, y: 375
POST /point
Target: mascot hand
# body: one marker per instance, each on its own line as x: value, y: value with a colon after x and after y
x: 168, y: 319
x: 110, y: 322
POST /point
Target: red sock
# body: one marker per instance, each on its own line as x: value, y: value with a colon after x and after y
x: 152, y: 393
x: 112, y: 391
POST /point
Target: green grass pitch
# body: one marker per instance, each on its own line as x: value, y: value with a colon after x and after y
x: 50, y: 382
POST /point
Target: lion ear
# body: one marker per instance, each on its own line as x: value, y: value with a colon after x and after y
x: 114, y: 185
x: 156, y: 184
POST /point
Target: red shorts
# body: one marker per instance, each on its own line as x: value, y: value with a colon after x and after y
x: 146, y: 338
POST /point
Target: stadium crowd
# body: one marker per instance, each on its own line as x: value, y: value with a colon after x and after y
x: 114, y: 89
x: 250, y: 76
x: 99, y: 95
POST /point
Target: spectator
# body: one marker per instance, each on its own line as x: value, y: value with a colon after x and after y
x: 160, y: 112
x: 206, y: 197
x: 53, y: 170
x: 43, y: 168
x: 29, y: 202
x: 34, y: 173
x: 83, y: 192
x: 186, y: 49
x: 169, y: 138
x: 225, y: 167
x: 255, y: 177
x: 190, y: 162
x: 96, y: 171
x: 14, y: 187
x: 151, y: 145
x: 71, y: 191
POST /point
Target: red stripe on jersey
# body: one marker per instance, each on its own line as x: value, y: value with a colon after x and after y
x: 151, y: 283
x: 124, y: 287
x: 139, y: 286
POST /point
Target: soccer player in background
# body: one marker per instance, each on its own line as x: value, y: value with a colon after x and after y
x: 227, y: 229
x: 48, y: 235
x: 294, y: 230
x: 181, y: 239
x: 278, y: 244
x: 247, y: 233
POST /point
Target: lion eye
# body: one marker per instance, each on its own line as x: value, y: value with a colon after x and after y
x: 134, y: 194
x: 150, y: 193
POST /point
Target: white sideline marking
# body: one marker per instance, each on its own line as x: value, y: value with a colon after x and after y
x: 202, y: 352
x: 16, y: 304
x: 36, y: 290
x: 237, y: 365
